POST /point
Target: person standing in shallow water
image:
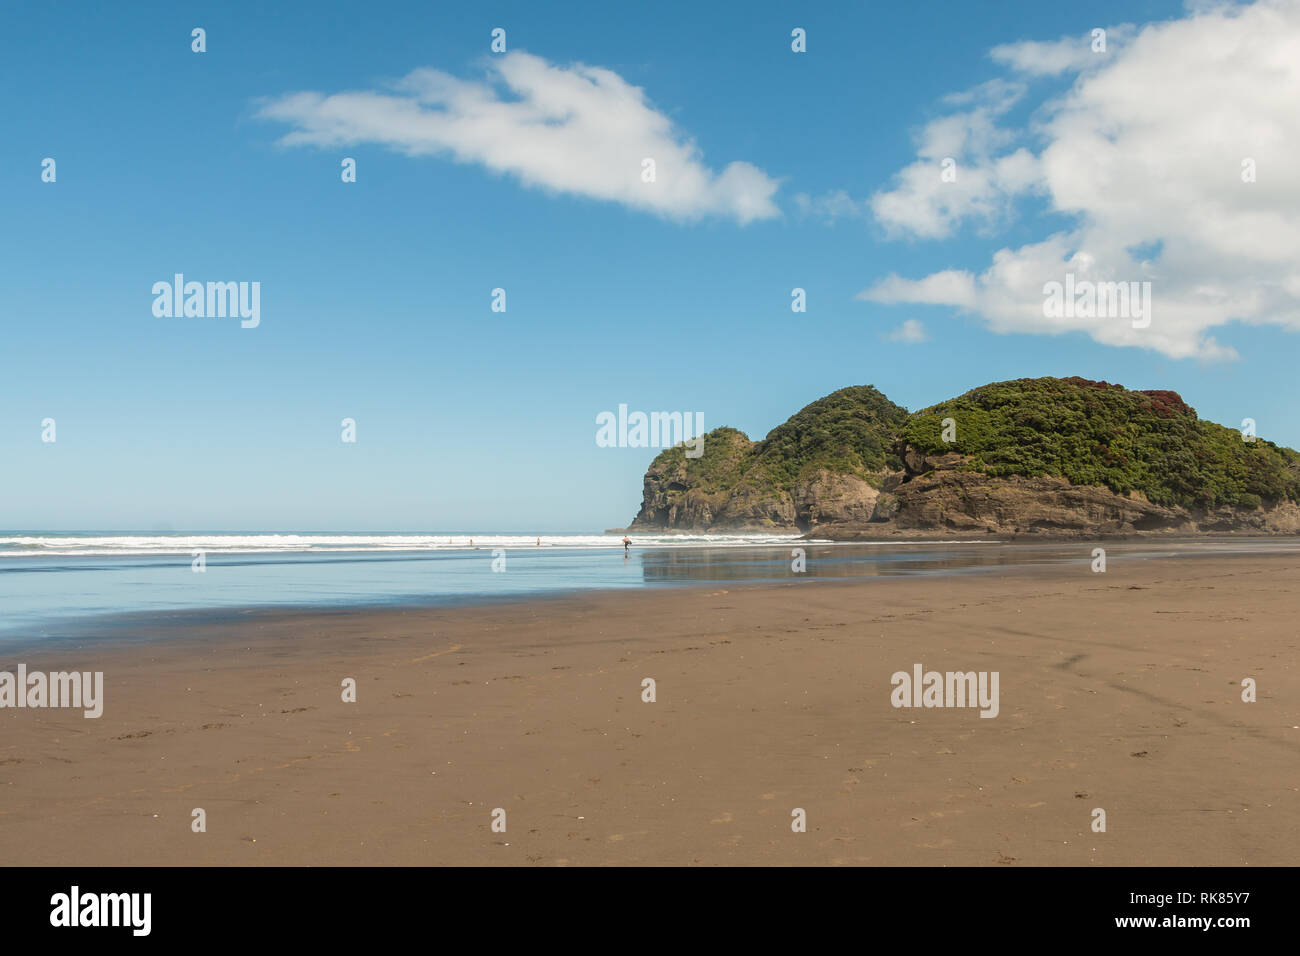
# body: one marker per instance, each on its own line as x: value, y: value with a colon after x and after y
x: 627, y: 543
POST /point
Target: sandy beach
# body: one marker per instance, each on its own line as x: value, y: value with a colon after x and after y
x: 1120, y: 691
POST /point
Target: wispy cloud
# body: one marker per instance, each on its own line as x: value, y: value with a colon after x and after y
x: 831, y: 207
x: 965, y: 169
x: 910, y: 332
x: 576, y: 129
x: 1066, y: 55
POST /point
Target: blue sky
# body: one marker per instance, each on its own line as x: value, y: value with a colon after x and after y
x: 375, y: 295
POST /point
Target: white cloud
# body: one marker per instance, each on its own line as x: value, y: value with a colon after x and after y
x: 950, y: 287
x: 1144, y: 154
x: 578, y: 129
x: 965, y: 169
x: 911, y: 332
x: 834, y: 205
x: 1066, y: 55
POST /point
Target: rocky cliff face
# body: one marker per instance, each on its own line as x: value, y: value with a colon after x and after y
x: 938, y: 498
x: 822, y: 500
x: 695, y: 495
x: 877, y: 490
x: 933, y: 497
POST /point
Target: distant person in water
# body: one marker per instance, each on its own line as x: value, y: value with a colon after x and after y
x: 627, y: 543
x: 539, y: 542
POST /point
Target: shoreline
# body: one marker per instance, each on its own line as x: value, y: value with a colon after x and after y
x: 144, y: 625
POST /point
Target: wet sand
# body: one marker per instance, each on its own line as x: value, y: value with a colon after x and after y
x: 1119, y: 691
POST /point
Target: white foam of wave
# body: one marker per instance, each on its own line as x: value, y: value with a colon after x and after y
x: 108, y: 545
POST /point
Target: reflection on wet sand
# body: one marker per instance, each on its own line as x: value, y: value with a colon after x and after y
x: 697, y: 566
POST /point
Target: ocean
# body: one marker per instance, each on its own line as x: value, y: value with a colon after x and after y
x: 54, y: 582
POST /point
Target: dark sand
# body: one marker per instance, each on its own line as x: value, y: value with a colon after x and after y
x: 1119, y: 690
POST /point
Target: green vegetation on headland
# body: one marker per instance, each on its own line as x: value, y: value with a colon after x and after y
x: 1095, y: 433
x: 851, y: 431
